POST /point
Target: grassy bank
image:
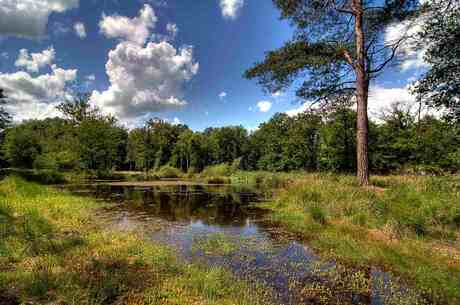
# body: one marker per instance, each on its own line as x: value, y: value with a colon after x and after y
x: 52, y: 250
x: 407, y: 225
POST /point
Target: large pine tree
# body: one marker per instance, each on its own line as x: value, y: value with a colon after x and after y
x: 338, y: 48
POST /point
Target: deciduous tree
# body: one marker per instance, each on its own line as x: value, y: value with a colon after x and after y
x: 440, y: 85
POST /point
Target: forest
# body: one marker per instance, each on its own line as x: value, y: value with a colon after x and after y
x: 401, y: 141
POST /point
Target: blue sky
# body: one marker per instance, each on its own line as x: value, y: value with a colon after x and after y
x: 175, y: 59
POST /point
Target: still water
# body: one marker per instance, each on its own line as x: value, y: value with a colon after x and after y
x: 223, y: 226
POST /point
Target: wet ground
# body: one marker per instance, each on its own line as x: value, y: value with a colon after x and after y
x: 223, y: 226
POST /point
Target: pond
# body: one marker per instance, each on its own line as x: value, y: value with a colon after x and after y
x: 223, y: 226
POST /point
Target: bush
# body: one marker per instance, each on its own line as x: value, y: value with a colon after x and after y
x: 168, y: 172
x: 45, y: 161
x: 67, y: 160
x: 219, y: 170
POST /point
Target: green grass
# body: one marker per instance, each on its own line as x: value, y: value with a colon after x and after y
x: 407, y: 225
x: 53, y: 251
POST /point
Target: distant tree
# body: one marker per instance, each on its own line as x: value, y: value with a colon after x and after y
x: 136, y: 149
x: 162, y: 136
x: 191, y: 151
x: 22, y: 145
x: 5, y: 118
x: 78, y: 109
x: 99, y: 144
x: 226, y: 143
x: 396, y: 138
x: 339, y: 48
x: 439, y: 87
x: 337, y: 150
x: 287, y: 143
x: 270, y: 141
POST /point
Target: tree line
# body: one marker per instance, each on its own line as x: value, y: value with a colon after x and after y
x: 85, y: 139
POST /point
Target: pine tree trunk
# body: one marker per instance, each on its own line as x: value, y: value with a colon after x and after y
x: 362, y: 91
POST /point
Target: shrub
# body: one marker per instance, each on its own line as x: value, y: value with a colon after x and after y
x: 218, y: 170
x: 67, y: 160
x: 236, y: 165
x: 46, y: 161
x: 168, y: 172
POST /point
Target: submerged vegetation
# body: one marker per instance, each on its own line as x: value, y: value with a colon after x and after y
x: 53, y: 251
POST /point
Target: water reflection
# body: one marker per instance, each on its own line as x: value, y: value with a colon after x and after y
x: 223, y: 226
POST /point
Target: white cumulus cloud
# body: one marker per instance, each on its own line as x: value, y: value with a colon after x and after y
x: 136, y: 29
x: 80, y: 29
x: 36, y: 97
x: 35, y: 61
x: 410, y: 56
x: 264, y: 106
x: 145, y: 79
x: 380, y: 98
x: 231, y: 8
x: 28, y: 18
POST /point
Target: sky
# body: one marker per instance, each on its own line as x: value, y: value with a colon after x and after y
x: 178, y: 60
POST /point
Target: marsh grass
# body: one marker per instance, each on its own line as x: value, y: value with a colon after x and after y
x: 406, y: 225
x: 264, y: 180
x: 53, y: 251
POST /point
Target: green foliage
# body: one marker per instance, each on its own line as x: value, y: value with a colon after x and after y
x: 439, y: 86
x: 168, y: 172
x: 321, y: 59
x: 45, y: 161
x: 99, y: 144
x: 337, y: 150
x: 313, y: 141
x: 21, y: 146
x: 5, y: 118
x: 152, y: 146
x: 220, y: 170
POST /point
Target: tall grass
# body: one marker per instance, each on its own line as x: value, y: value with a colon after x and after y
x: 53, y: 251
x: 408, y: 225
